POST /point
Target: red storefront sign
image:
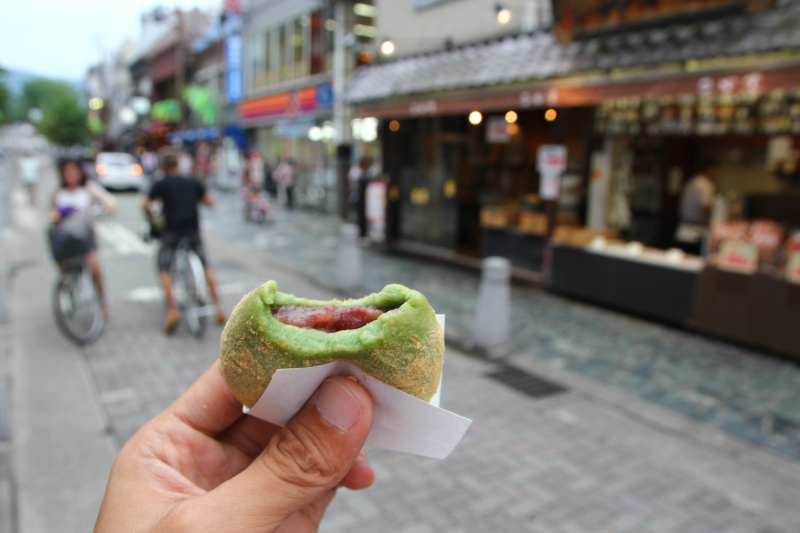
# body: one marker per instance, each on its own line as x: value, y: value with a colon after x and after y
x: 289, y: 104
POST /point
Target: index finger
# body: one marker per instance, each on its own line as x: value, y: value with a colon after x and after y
x: 208, y: 405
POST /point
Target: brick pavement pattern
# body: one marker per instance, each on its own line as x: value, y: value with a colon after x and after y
x: 562, y: 463
x: 744, y: 392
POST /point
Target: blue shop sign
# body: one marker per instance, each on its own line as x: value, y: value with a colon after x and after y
x: 324, y: 95
x: 234, y: 84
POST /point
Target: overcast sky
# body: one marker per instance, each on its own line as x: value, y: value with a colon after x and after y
x: 61, y: 38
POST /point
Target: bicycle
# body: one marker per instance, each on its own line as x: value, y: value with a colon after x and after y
x: 76, y: 300
x: 189, y: 289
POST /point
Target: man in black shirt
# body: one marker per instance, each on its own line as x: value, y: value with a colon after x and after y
x: 180, y: 197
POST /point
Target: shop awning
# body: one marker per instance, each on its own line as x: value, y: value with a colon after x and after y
x: 646, y: 59
x: 197, y: 134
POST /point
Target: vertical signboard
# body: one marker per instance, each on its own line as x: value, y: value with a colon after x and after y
x: 234, y: 84
x: 375, y: 208
x: 551, y: 160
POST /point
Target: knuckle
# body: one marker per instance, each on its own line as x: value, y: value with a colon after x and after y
x: 299, y: 457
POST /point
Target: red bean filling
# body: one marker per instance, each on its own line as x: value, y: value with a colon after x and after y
x: 329, y: 318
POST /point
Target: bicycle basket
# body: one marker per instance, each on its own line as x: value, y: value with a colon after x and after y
x: 70, y: 238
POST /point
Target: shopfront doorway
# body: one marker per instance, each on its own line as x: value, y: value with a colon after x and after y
x: 427, y: 162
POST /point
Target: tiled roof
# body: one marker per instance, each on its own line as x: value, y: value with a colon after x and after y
x: 539, y: 56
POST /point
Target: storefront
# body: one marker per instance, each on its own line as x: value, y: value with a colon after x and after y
x: 296, y: 125
x: 637, y: 112
x: 745, y: 287
x: 467, y: 183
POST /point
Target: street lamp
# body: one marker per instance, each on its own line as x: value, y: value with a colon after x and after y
x: 387, y: 47
x: 535, y: 14
x: 503, y: 13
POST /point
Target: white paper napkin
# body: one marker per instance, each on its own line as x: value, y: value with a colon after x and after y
x: 401, y: 422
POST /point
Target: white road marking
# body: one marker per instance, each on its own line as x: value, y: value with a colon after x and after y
x: 124, y: 241
x: 154, y: 294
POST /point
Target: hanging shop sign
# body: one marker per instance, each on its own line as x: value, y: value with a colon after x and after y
x: 305, y: 101
x: 551, y: 160
x: 497, y: 131
x: 234, y: 84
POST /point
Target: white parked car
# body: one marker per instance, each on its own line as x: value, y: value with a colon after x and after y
x: 119, y: 171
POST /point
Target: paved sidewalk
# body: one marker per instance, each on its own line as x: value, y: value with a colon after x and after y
x: 745, y: 392
x: 571, y: 462
x: 61, y: 450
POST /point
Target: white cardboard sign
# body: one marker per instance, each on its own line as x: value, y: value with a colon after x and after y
x: 551, y: 158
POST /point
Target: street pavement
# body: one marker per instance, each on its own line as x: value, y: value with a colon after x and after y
x: 595, y: 454
x: 744, y: 392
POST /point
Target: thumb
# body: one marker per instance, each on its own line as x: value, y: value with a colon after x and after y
x: 304, y: 461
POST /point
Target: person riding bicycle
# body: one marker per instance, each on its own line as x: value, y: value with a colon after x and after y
x: 179, y: 196
x: 255, y: 201
x: 75, y: 197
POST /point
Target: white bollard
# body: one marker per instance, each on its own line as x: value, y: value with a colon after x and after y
x: 492, y: 327
x: 348, y: 265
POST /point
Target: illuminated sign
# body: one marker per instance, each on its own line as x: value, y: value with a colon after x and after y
x: 234, y: 84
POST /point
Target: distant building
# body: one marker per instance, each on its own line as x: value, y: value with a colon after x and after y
x: 289, y: 79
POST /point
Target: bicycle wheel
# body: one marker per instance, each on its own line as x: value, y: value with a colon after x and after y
x: 197, y: 311
x: 77, y: 307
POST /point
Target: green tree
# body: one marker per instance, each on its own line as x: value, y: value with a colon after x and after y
x: 65, y: 121
x: 5, y: 99
x: 64, y: 118
x: 37, y: 93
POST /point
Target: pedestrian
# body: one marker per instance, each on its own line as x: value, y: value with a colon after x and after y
x: 284, y: 176
x: 204, y: 465
x: 29, y: 172
x: 359, y: 179
x: 202, y: 162
x: 696, y: 202
x: 180, y: 196
x: 269, y: 179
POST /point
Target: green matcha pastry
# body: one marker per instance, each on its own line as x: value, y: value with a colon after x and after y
x: 392, y: 335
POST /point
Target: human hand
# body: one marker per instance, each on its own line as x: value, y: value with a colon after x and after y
x: 202, y: 465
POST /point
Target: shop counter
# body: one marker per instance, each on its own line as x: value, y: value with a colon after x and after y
x: 755, y: 309
x: 525, y: 251
x: 643, y: 285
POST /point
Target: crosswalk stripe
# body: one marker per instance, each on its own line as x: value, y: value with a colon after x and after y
x: 122, y: 239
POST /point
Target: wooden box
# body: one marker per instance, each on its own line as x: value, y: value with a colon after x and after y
x: 499, y: 216
x: 533, y: 223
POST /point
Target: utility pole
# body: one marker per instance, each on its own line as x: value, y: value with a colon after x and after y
x: 6, y: 173
x: 180, y: 62
x: 341, y: 115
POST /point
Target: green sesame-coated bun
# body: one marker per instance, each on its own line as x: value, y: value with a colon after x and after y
x: 404, y: 347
